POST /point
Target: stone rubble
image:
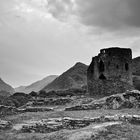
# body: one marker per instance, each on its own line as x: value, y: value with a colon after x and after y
x: 129, y: 99
x: 5, y: 125
x: 56, y: 124
x: 34, y: 109
x: 7, y: 110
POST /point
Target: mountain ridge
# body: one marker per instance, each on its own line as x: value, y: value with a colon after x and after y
x: 36, y: 86
x: 74, y: 77
x: 6, y: 87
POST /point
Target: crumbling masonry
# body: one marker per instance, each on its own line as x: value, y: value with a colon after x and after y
x: 110, y: 72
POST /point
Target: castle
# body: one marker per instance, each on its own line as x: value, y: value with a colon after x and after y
x: 110, y: 72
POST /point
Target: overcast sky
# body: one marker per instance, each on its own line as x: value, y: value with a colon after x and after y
x: 44, y: 37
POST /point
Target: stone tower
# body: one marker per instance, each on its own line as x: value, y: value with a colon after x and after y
x: 110, y: 72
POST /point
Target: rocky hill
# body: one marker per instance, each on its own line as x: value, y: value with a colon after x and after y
x: 4, y: 94
x: 36, y: 86
x: 5, y: 87
x: 75, y: 77
x: 16, y: 100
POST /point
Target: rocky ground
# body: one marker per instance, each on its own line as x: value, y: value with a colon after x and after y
x: 73, y: 118
x: 130, y: 99
x: 75, y: 125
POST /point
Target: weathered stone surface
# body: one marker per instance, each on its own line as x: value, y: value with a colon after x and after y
x: 7, y: 110
x: 52, y: 102
x: 110, y: 72
x: 56, y: 124
x: 130, y: 99
x: 34, y: 109
x: 5, y: 125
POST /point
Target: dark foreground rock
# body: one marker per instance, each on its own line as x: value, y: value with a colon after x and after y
x: 7, y: 110
x: 5, y: 125
x: 129, y: 99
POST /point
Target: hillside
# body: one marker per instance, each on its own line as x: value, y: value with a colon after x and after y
x: 5, y: 87
x: 36, y: 86
x: 75, y: 77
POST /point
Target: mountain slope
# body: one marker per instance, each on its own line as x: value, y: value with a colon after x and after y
x: 75, y: 77
x: 36, y: 86
x: 20, y: 88
x: 5, y: 87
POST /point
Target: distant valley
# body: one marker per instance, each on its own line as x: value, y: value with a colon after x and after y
x: 36, y: 86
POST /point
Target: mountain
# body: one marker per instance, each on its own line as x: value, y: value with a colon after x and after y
x: 20, y: 88
x: 5, y: 88
x: 75, y: 77
x: 36, y: 86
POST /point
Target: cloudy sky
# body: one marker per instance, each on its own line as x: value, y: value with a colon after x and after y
x: 43, y: 37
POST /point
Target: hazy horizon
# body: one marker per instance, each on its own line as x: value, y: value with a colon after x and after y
x: 47, y: 37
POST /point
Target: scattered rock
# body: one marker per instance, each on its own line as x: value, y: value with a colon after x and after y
x: 43, y: 126
x: 5, y: 125
x: 129, y: 99
x: 56, y: 124
x: 7, y: 110
x: 52, y: 101
x: 34, y: 109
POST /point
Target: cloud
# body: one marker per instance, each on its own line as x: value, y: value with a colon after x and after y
x: 109, y: 15
x: 60, y: 9
x: 135, y: 46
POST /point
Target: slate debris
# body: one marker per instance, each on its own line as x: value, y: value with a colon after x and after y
x: 129, y: 99
x: 56, y: 124
x: 5, y: 125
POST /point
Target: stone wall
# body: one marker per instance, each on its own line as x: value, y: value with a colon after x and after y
x: 110, y: 72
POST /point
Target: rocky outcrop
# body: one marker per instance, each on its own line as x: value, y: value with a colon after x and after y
x: 130, y: 99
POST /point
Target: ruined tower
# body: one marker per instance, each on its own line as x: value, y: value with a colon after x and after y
x: 110, y: 72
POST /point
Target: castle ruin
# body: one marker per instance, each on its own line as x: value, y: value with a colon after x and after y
x: 110, y: 72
